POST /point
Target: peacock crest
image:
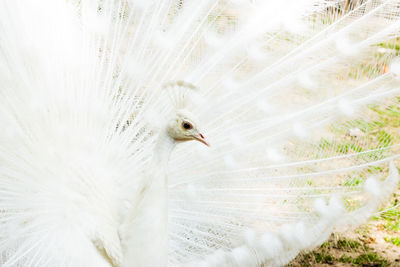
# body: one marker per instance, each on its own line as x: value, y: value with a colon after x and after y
x: 179, y: 93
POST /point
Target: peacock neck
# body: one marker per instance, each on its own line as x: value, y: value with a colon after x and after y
x: 162, y: 152
x: 146, y: 228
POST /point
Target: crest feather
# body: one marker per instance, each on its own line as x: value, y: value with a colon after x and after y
x: 178, y: 91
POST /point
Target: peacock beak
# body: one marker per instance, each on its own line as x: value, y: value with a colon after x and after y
x: 200, y: 137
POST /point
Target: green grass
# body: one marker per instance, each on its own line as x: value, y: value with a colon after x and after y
x: 348, y: 244
x: 374, y: 169
x: 364, y: 256
x: 390, y: 45
x: 365, y: 259
x: 393, y: 240
x: 354, y: 181
x: 392, y: 218
x: 346, y: 259
x: 324, y: 258
x: 395, y: 226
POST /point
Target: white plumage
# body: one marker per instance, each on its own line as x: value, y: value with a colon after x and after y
x: 95, y: 95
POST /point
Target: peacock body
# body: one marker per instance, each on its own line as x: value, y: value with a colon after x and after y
x: 98, y: 99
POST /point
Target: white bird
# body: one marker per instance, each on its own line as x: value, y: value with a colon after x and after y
x: 95, y: 94
x: 150, y: 210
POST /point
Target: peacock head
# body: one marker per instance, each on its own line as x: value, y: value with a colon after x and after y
x: 183, y: 126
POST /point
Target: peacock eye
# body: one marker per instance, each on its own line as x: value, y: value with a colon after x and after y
x: 187, y: 125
